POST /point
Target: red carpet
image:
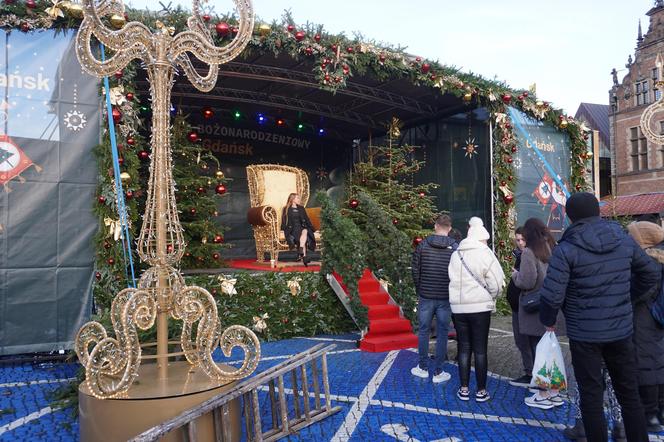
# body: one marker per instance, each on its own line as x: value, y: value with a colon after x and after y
x: 388, y: 330
x: 252, y: 264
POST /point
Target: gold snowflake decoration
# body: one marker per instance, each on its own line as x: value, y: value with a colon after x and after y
x: 470, y: 148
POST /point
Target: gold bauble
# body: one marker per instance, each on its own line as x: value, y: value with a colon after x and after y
x: 219, y: 174
x: 539, y: 103
x: 589, y: 155
x: 74, y: 9
x: 563, y: 124
x: 124, y: 176
x: 118, y: 21
x: 204, y: 240
x: 264, y: 30
x: 467, y: 97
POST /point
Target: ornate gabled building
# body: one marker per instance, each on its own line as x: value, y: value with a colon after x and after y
x: 637, y: 165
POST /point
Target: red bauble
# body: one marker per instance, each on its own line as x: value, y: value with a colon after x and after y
x: 353, y: 203
x: 525, y: 94
x: 422, y: 194
x: 513, y: 149
x: 206, y: 18
x: 143, y: 155
x: 290, y: 28
x: 520, y: 97
x: 130, y: 96
x: 578, y: 187
x: 110, y: 261
x: 131, y: 141
x: 169, y: 248
x: 117, y: 115
x: 107, y: 245
x: 299, y: 35
x: 417, y: 241
x: 222, y: 29
x: 509, y: 160
x: 327, y: 77
x: 508, y: 125
x: 200, y: 190
x: 216, y: 256
x: 507, y: 98
x: 350, y: 49
x: 220, y: 189
x: 425, y: 68
x: 119, y: 74
x: 432, y: 77
x: 31, y: 4
x: 218, y: 239
x: 418, y: 59
x: 317, y: 38
x: 509, y: 199
x: 129, y: 194
x: 25, y: 27
x: 510, y: 178
x: 120, y: 161
x: 208, y: 113
x: 381, y: 58
x: 98, y: 276
x: 309, y: 50
x: 192, y: 136
x: 192, y: 211
x: 235, y: 29
x: 334, y: 48
x: 395, y: 221
x: 101, y: 199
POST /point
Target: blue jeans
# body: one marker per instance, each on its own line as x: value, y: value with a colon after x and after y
x: 426, y: 309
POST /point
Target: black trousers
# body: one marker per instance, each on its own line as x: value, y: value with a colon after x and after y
x: 620, y: 361
x: 651, y: 395
x: 473, y: 338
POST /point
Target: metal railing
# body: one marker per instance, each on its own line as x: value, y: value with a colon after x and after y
x: 271, y: 381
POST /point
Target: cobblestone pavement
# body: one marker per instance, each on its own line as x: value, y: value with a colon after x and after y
x: 380, y: 400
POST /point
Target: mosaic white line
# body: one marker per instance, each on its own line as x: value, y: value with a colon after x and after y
x: 358, y: 409
x: 25, y: 419
x: 40, y: 381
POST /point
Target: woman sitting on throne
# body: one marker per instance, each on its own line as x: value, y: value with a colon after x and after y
x: 297, y: 228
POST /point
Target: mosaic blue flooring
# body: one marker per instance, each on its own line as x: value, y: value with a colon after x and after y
x: 380, y: 401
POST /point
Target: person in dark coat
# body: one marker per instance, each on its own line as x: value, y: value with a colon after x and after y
x: 648, y: 334
x: 589, y: 277
x: 430, y: 265
x: 297, y: 227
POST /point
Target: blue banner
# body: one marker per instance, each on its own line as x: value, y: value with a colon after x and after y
x: 542, y: 167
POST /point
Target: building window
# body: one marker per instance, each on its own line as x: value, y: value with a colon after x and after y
x: 639, y: 149
x: 658, y: 94
x: 655, y: 74
x: 642, y: 92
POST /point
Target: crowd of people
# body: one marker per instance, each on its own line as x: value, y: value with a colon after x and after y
x: 596, y: 285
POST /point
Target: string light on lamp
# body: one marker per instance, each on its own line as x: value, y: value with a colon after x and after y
x: 112, y: 361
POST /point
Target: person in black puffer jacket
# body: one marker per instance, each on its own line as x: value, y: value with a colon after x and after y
x: 589, y: 278
x: 648, y: 334
x: 430, y: 263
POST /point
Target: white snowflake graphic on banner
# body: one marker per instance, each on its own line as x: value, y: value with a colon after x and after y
x: 75, y: 120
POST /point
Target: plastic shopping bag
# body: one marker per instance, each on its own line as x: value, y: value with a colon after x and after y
x: 549, y: 368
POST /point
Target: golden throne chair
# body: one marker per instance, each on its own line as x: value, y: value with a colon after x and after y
x: 269, y: 187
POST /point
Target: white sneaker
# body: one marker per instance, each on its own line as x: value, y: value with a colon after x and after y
x: 443, y: 376
x: 417, y: 371
x: 556, y: 400
x: 539, y: 402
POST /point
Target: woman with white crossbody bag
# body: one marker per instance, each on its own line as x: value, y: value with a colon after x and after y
x: 476, y: 279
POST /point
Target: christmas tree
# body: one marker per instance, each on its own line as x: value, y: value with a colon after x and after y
x: 387, y: 176
x: 558, y: 380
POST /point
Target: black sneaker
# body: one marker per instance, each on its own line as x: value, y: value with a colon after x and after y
x: 463, y: 394
x: 523, y: 381
x: 482, y: 396
x: 577, y: 432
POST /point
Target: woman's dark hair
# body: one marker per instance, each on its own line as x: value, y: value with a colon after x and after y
x: 538, y: 239
x: 519, y: 230
x: 456, y: 235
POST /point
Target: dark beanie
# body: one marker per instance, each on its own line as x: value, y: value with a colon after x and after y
x: 582, y: 205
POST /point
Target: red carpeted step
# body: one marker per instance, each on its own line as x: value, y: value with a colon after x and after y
x: 369, y: 285
x: 386, y: 311
x: 374, y: 298
x: 389, y: 326
x: 388, y: 342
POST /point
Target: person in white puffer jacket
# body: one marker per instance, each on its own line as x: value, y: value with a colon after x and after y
x: 476, y: 280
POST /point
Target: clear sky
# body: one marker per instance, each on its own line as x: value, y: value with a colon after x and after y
x: 567, y: 47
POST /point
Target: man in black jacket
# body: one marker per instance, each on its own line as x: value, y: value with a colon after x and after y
x: 589, y: 278
x: 430, y: 262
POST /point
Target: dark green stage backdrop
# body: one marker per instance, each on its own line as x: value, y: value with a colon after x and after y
x: 465, y: 181
x: 49, y: 123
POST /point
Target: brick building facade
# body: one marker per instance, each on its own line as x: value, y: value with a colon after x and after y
x: 637, y: 164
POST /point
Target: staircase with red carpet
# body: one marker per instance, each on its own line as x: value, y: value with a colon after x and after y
x: 388, y: 330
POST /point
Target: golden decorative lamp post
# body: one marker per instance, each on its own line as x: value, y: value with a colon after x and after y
x: 112, y: 363
x: 658, y: 106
